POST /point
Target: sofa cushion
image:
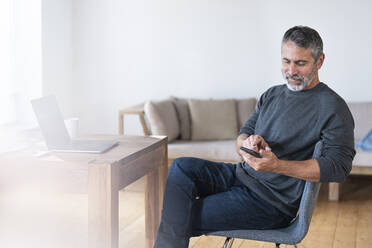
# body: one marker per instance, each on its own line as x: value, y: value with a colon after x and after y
x: 221, y: 150
x: 362, y: 113
x: 183, y: 114
x: 362, y: 158
x: 163, y: 118
x: 245, y: 107
x: 213, y: 119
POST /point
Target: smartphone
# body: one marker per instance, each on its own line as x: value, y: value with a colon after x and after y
x: 252, y: 152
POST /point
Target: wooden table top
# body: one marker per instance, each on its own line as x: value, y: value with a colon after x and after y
x: 31, y: 146
x: 33, y: 164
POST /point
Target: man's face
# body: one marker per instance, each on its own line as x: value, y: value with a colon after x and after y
x: 299, y: 67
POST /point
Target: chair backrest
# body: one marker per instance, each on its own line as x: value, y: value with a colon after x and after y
x: 307, y: 204
x: 306, y: 209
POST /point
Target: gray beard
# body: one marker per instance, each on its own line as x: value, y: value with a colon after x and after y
x: 298, y: 87
x: 305, y: 81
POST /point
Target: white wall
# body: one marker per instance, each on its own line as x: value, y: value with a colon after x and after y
x: 57, y: 52
x: 7, y: 87
x: 26, y: 59
x: 126, y: 52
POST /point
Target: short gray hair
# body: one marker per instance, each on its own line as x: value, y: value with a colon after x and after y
x: 305, y: 37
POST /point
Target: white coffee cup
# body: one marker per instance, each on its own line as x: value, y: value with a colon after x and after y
x: 72, y: 126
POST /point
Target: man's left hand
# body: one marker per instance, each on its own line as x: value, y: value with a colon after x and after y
x: 268, y: 163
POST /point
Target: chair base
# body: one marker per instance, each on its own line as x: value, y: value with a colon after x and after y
x: 229, y: 242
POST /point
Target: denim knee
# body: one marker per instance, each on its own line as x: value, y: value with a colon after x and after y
x: 180, y: 164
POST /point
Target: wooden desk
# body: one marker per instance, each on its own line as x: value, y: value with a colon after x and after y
x: 102, y: 176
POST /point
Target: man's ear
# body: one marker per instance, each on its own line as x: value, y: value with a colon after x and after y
x: 320, y: 61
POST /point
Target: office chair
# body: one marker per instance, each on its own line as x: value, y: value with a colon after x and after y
x: 290, y: 235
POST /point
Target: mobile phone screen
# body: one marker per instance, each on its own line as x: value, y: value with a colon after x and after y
x: 252, y: 152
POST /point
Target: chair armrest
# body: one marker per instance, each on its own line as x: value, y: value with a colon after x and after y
x: 133, y: 110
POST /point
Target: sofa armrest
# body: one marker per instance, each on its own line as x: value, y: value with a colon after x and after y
x: 133, y: 110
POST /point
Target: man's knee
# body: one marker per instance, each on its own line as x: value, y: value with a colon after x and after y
x: 185, y: 165
x: 181, y: 164
x: 180, y: 173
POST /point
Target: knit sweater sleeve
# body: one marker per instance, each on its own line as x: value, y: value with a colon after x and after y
x: 250, y: 124
x: 338, y: 146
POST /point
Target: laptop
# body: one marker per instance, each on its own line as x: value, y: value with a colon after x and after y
x: 55, y: 132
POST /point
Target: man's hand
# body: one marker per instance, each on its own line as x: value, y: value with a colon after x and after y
x: 255, y: 142
x: 268, y: 163
x: 306, y: 170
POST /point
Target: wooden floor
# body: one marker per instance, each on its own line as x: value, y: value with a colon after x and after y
x: 31, y: 219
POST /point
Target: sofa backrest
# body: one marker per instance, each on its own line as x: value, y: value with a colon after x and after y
x: 244, y: 108
x: 362, y: 113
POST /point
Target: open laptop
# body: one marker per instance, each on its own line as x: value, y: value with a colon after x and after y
x: 55, y: 133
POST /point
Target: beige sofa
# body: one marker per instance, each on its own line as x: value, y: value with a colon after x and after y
x: 185, y: 141
x: 222, y: 149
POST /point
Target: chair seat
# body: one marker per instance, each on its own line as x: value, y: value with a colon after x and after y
x: 282, y: 235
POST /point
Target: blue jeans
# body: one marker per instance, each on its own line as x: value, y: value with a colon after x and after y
x: 203, y: 196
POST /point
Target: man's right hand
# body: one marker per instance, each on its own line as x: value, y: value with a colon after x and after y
x: 255, y: 142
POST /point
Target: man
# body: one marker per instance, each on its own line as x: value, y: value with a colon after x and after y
x: 261, y: 193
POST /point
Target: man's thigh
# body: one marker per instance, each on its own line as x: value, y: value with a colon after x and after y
x: 237, y: 208
x: 208, y: 177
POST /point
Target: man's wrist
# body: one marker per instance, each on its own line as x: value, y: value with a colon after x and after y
x: 280, y: 166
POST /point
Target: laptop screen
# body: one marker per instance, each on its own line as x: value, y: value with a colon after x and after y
x: 50, y: 121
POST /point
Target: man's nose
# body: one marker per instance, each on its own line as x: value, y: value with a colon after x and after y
x: 292, y: 69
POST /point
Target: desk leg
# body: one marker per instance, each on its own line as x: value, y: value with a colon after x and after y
x: 103, y: 207
x: 155, y: 184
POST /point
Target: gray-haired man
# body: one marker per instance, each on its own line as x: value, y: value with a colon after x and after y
x: 260, y: 193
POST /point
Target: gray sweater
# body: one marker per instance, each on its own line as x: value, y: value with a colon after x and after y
x: 291, y: 123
